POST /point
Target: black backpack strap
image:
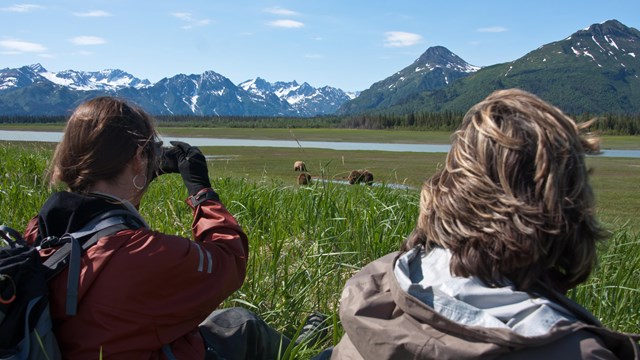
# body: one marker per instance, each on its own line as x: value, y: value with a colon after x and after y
x: 60, y: 259
x: 77, y: 243
x: 108, y: 218
x: 73, y: 277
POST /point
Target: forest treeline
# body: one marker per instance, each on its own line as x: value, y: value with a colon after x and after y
x: 609, y: 124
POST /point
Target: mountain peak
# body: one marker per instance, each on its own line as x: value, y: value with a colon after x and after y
x: 610, y: 45
x: 435, y: 69
x: 610, y: 27
x: 211, y: 75
x: 440, y: 56
x: 261, y: 82
x: 436, y: 53
x: 37, y: 68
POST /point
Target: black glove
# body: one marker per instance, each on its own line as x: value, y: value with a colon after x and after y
x: 192, y: 166
x: 168, y: 161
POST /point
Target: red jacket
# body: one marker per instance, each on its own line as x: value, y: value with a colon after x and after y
x: 141, y: 289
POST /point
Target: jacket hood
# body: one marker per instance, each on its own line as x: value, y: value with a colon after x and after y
x: 66, y: 212
x: 468, y: 301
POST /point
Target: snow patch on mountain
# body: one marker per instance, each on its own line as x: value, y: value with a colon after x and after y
x: 109, y: 80
x: 302, y: 99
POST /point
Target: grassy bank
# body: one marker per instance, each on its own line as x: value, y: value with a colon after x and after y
x: 306, y: 241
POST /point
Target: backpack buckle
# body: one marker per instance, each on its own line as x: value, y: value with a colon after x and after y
x: 52, y: 241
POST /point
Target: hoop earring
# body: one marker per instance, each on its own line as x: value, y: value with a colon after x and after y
x: 138, y: 187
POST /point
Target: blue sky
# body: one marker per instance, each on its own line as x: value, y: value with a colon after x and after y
x: 341, y: 43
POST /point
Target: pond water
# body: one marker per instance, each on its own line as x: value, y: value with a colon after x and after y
x: 43, y: 136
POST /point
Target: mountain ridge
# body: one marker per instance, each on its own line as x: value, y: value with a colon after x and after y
x: 594, y: 70
x: 208, y: 94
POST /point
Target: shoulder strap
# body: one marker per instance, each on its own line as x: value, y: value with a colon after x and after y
x: 108, y: 220
x: 77, y: 243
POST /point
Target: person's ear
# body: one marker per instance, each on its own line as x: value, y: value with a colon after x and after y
x: 139, y: 160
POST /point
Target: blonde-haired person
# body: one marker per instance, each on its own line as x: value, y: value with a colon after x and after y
x: 505, y: 228
x: 143, y: 294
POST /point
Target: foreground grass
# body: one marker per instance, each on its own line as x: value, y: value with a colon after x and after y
x: 306, y: 241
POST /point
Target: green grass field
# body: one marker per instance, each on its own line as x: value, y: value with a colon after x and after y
x: 306, y: 241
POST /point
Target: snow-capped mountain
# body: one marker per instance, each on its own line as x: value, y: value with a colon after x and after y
x: 261, y: 91
x: 607, y: 41
x: 208, y: 93
x: 21, y: 77
x: 303, y: 98
x: 108, y: 80
x: 609, y: 46
x: 435, y: 69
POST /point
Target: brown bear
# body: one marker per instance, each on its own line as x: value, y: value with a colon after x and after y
x: 299, y: 166
x: 360, y: 176
x: 304, y: 179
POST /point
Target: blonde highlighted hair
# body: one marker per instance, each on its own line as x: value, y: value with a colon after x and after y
x: 513, y: 201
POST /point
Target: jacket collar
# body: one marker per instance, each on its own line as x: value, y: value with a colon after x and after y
x: 468, y: 301
x: 66, y: 212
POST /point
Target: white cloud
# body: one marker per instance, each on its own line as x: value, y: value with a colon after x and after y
x: 401, y: 39
x: 94, y: 13
x: 493, y: 29
x: 87, y: 40
x: 281, y: 11
x: 286, y: 23
x: 19, y: 46
x: 22, y: 8
x: 190, y: 21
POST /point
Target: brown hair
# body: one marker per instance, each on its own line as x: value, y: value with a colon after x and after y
x: 513, y: 201
x: 100, y: 138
